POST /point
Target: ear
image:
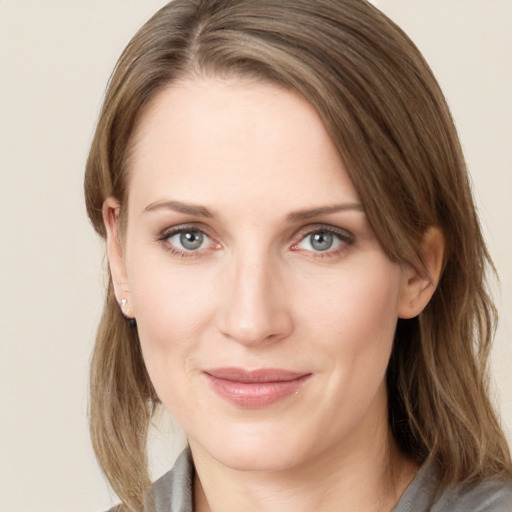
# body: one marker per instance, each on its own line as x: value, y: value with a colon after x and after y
x: 111, y: 211
x: 418, y: 285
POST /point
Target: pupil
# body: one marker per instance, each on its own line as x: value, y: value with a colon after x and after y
x: 321, y: 241
x: 191, y: 240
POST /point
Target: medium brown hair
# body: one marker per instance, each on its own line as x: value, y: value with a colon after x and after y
x: 393, y: 129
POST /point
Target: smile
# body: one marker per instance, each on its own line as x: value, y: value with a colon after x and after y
x: 254, y: 389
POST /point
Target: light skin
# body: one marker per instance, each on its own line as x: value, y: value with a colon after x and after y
x: 246, y: 246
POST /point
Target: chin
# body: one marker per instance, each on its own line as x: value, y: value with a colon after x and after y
x: 257, y: 451
x: 268, y: 460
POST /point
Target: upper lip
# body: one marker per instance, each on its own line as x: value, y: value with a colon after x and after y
x: 254, y: 376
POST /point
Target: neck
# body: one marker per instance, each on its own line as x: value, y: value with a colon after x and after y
x: 366, y: 472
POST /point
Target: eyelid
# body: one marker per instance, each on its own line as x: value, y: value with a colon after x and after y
x: 173, y: 230
x: 167, y: 233
x: 344, y: 235
x: 329, y: 228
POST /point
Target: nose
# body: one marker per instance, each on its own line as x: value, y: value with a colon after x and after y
x: 256, y: 308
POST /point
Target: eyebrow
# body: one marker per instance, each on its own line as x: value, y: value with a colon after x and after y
x: 297, y: 216
x: 323, y: 210
x: 178, y: 206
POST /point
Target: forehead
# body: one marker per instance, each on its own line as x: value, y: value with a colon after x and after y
x: 208, y: 138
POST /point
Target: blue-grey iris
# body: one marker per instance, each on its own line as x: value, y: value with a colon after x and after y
x: 321, y: 241
x: 191, y: 240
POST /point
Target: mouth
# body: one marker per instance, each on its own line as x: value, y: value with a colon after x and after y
x: 254, y: 389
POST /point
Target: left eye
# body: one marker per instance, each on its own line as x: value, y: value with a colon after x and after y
x: 189, y: 240
x: 320, y: 241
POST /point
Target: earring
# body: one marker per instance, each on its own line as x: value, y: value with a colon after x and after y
x: 132, y: 321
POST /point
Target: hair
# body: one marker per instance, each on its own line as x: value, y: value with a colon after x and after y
x: 392, y: 127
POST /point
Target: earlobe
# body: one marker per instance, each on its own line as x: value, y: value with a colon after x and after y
x: 111, y: 210
x: 419, y: 284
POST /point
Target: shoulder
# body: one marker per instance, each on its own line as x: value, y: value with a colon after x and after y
x: 424, y: 494
x: 487, y: 496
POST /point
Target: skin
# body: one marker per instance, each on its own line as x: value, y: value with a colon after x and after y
x: 258, y: 294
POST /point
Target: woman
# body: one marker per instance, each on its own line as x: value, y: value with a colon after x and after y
x: 297, y: 271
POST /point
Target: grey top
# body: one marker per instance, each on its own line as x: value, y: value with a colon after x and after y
x: 424, y: 495
x: 173, y: 492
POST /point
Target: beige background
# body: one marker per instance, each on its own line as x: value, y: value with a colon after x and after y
x: 55, y: 59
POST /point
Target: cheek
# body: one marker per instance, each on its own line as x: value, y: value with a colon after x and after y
x: 353, y: 327
x: 173, y: 308
x: 168, y: 297
x: 356, y: 310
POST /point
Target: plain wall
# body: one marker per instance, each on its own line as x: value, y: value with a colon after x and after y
x: 55, y: 59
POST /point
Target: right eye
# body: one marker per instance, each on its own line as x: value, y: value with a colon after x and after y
x: 186, y: 240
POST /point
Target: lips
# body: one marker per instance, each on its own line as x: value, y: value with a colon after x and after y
x: 254, y: 388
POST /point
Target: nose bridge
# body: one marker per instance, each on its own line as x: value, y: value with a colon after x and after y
x: 255, y: 307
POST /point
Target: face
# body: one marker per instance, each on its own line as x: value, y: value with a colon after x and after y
x: 265, y: 306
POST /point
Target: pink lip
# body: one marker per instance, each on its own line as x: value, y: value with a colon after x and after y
x: 253, y: 389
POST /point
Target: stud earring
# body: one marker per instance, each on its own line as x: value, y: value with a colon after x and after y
x: 132, y: 321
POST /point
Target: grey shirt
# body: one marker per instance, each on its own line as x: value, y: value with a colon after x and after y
x: 173, y: 492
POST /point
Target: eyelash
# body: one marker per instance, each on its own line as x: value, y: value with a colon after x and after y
x: 345, y: 238
x: 168, y: 233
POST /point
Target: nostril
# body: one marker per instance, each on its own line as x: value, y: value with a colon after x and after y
x: 271, y: 327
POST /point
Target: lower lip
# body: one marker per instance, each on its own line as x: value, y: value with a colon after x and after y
x: 255, y: 395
